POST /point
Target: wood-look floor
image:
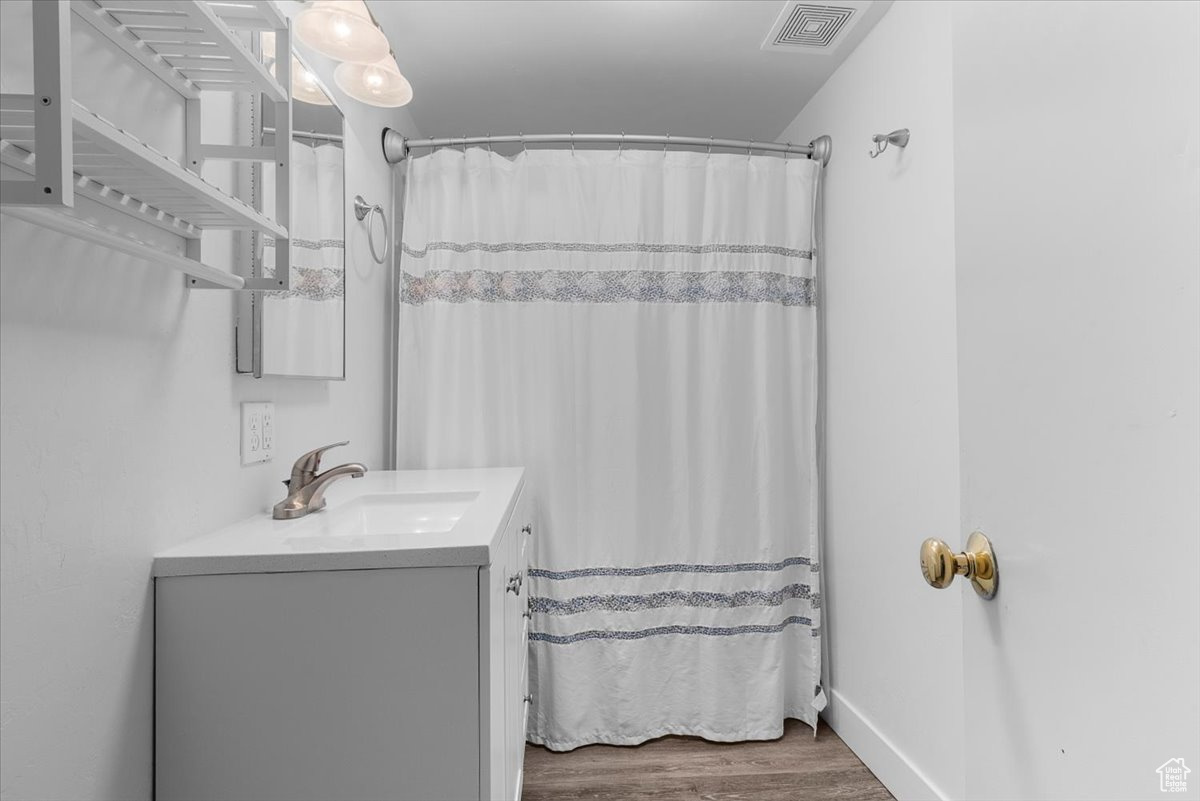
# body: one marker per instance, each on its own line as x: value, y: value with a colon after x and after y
x: 796, y: 767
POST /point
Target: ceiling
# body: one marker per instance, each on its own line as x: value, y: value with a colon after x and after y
x: 683, y: 67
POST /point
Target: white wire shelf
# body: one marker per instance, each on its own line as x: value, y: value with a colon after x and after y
x: 116, y: 168
x: 190, y: 44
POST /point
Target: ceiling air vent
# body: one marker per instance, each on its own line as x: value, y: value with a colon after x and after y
x: 813, y: 28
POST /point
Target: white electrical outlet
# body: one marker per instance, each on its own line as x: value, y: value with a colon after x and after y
x: 258, y: 432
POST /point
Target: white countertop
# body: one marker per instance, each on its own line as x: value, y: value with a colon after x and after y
x: 335, y: 539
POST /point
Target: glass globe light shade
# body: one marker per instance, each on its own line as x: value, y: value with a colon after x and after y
x: 377, y: 84
x: 305, y: 86
x: 341, y: 29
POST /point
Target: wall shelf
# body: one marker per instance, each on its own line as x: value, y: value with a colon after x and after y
x: 65, y: 150
x: 191, y: 46
x: 117, y: 161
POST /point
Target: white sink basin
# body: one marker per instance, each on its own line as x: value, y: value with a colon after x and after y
x: 375, y: 520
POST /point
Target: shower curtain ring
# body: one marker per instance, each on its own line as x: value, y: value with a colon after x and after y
x: 489, y: 142
x: 522, y: 135
x: 621, y: 146
x: 572, y: 143
x: 750, y: 150
x: 710, y: 143
x: 787, y: 152
x: 666, y: 143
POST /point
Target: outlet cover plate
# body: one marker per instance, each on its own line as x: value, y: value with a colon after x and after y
x: 258, y: 432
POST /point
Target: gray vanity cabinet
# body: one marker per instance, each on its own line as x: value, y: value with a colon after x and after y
x: 396, y: 683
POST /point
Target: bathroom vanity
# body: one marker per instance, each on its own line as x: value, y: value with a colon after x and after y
x: 373, y: 650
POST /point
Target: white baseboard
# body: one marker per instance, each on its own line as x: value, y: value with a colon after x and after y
x: 886, y: 761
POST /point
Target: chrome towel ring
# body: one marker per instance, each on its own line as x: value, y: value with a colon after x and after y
x: 364, y: 210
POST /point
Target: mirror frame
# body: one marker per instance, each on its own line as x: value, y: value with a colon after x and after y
x: 248, y: 334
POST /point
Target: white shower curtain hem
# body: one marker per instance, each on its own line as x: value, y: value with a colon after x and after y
x: 602, y: 738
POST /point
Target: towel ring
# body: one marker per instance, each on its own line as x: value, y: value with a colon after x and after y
x: 364, y: 210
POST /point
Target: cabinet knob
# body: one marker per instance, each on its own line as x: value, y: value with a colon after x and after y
x: 529, y: 699
x: 527, y: 529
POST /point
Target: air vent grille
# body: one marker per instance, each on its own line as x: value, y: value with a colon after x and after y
x: 812, y: 28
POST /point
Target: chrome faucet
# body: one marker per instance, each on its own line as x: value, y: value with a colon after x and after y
x: 306, y: 487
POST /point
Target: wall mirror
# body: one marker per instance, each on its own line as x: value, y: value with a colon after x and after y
x: 299, y: 333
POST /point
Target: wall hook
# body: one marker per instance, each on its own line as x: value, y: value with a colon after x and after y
x: 898, y: 137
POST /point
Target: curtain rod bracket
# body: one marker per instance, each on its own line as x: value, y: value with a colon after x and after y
x: 822, y: 149
x: 395, y: 146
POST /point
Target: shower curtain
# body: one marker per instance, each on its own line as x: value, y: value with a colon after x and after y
x: 638, y: 329
x: 303, y: 327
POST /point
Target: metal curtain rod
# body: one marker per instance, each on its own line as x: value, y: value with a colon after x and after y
x: 309, y: 135
x: 396, y: 147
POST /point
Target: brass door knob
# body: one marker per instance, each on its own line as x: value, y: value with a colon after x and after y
x: 940, y: 565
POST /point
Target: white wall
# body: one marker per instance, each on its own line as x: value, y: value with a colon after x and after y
x: 119, y: 436
x: 895, y: 663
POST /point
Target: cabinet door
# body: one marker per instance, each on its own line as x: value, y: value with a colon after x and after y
x: 522, y: 723
x: 515, y: 650
x: 493, y: 747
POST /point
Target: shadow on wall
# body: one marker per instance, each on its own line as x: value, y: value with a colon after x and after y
x: 49, y: 280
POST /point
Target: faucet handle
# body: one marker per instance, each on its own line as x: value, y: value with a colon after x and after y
x: 307, y: 465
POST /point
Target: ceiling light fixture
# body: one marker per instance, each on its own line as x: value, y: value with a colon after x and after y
x: 378, y: 84
x: 341, y: 29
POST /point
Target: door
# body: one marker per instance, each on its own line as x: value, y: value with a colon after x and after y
x: 1079, y: 319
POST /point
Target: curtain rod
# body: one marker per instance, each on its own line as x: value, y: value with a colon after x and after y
x: 396, y: 147
x: 309, y: 135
